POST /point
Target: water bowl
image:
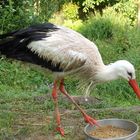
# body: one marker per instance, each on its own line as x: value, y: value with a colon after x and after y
x: 119, y: 123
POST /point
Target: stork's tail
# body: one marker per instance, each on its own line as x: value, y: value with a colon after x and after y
x: 7, y: 43
x: 16, y: 42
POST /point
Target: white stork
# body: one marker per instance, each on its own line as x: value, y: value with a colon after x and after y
x: 64, y: 52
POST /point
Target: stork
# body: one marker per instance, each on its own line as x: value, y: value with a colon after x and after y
x: 64, y: 52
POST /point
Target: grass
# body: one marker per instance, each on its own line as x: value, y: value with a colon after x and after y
x: 21, y: 115
x: 25, y: 114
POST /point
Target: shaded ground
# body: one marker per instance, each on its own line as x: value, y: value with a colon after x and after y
x: 73, y: 129
x: 79, y: 99
x: 40, y: 125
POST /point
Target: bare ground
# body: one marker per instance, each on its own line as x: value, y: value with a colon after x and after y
x: 39, y: 126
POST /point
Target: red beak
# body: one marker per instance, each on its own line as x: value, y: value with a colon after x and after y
x: 134, y: 85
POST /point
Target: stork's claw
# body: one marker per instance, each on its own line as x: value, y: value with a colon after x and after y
x: 90, y: 120
x: 60, y: 130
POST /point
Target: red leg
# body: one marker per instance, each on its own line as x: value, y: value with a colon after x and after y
x: 87, y: 118
x: 55, y: 98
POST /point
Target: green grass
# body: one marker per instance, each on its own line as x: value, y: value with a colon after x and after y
x: 19, y: 110
x: 22, y: 84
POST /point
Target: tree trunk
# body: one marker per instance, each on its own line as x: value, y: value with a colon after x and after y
x: 37, y: 7
x: 137, y: 2
x: 139, y: 15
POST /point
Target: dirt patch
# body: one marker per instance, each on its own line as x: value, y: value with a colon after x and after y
x: 40, y: 129
x: 33, y: 125
x: 79, y: 99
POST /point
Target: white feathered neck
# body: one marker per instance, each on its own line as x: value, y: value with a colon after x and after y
x: 113, y: 71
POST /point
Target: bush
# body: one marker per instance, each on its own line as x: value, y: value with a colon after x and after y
x: 18, y: 14
x: 128, y: 8
x: 97, y: 28
x: 14, y: 16
x: 67, y: 16
x: 70, y: 11
x: 106, y: 26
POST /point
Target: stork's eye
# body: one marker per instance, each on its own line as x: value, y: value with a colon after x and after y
x: 130, y: 74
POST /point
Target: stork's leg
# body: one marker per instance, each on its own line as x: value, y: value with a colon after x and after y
x: 87, y: 118
x: 55, y: 98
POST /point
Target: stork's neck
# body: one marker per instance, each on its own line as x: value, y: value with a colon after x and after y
x: 108, y: 73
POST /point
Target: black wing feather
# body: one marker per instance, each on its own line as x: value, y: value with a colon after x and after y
x: 14, y: 45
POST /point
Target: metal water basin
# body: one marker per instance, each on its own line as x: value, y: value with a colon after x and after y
x: 121, y: 123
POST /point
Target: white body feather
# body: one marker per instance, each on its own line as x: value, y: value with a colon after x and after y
x: 72, y: 50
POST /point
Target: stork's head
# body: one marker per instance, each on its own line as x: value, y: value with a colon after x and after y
x: 127, y: 71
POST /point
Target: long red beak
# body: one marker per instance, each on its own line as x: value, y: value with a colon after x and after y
x: 134, y: 85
